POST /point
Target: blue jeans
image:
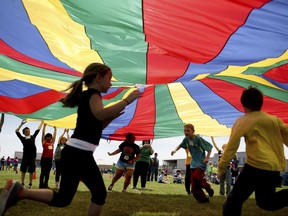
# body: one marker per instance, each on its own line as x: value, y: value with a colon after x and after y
x: 154, y: 172
x: 264, y: 183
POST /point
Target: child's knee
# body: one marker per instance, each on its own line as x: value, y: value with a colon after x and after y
x: 60, y: 201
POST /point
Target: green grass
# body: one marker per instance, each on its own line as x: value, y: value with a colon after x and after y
x: 156, y: 200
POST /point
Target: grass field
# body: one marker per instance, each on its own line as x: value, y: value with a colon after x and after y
x: 156, y: 200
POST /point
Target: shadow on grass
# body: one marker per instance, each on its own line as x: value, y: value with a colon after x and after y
x: 134, y: 204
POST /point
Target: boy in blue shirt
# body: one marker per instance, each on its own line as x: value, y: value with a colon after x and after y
x: 197, y: 147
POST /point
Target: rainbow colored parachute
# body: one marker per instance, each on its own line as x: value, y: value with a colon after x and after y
x: 191, y: 59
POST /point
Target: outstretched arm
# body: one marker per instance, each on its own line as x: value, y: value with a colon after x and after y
x: 107, y: 114
x: 21, y: 124
x: 67, y: 131
x: 43, y: 132
x: 115, y: 152
x: 61, y: 135
x: 41, y: 124
x: 176, y: 149
x: 214, y: 144
x: 1, y: 121
x: 54, y: 134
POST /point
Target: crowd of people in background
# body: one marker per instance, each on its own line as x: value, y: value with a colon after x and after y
x: 9, y: 164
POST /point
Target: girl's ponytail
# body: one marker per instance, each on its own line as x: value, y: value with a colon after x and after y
x: 73, y: 98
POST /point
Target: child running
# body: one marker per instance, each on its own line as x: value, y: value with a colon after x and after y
x: 264, y: 137
x: 197, y: 147
x: 92, y: 118
x: 130, y: 152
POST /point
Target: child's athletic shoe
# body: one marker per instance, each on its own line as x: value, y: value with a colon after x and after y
x: 210, y: 192
x: 30, y: 186
x: 110, y: 187
x: 9, y: 195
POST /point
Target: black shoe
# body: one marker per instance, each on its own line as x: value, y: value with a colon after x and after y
x: 210, y: 192
x: 110, y: 187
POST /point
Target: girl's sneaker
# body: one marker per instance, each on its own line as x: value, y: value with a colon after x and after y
x: 30, y: 186
x: 9, y: 195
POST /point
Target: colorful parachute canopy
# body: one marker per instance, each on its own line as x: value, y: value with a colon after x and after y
x: 191, y: 60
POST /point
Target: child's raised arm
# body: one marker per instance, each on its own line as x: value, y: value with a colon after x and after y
x: 214, y: 144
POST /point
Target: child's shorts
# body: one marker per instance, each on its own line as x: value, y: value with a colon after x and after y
x: 122, y: 165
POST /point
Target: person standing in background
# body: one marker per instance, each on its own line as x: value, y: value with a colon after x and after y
x: 29, y: 152
x: 1, y: 121
x: 57, y: 156
x: 142, y: 164
x: 1, y: 125
x: 15, y: 163
x: 2, y: 163
x: 226, y: 177
x: 188, y: 170
x: 234, y: 169
x: 149, y: 169
x: 8, y: 164
x: 47, y: 156
x: 154, y: 167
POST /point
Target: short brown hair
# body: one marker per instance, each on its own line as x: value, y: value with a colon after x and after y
x: 189, y: 126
